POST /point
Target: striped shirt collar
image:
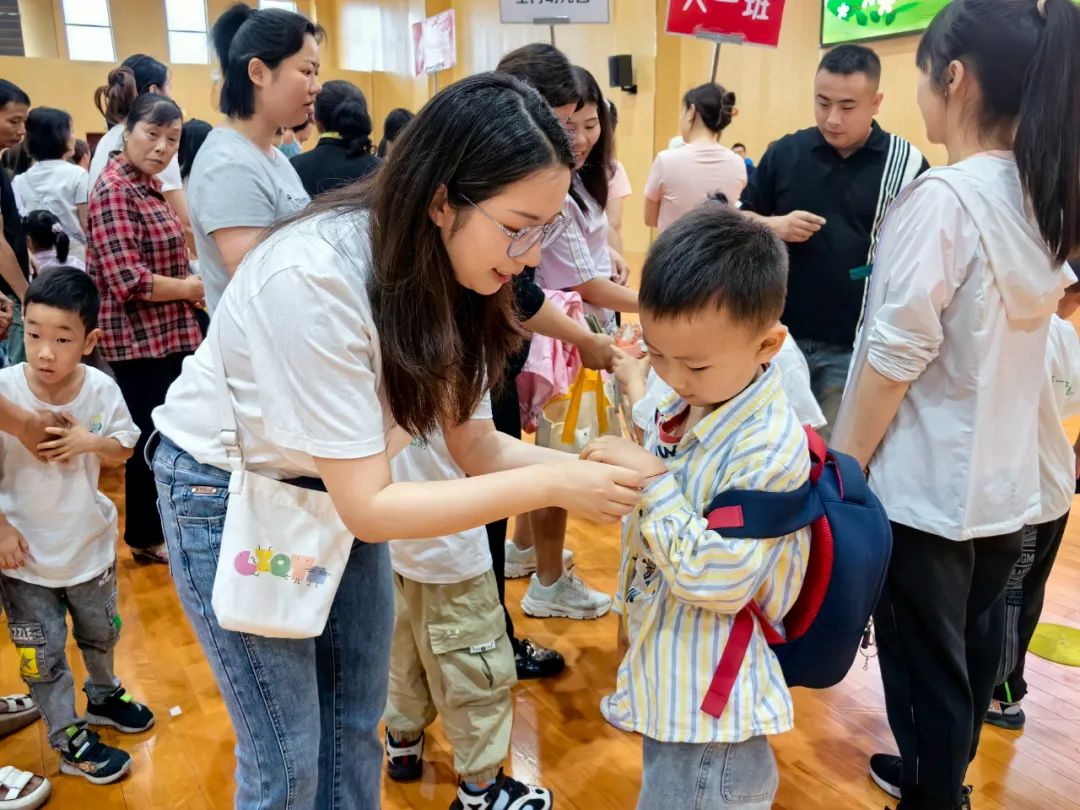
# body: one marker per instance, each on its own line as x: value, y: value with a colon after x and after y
x: 729, y: 416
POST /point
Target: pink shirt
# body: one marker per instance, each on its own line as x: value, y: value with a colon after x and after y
x: 581, y: 253
x: 619, y: 184
x: 682, y: 179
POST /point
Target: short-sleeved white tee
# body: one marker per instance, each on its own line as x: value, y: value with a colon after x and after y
x: 301, y: 355
x: 442, y: 560
x: 69, y: 525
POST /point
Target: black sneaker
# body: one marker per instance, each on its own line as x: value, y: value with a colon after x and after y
x: 404, y: 762
x: 885, y: 771
x: 120, y: 711
x: 1006, y: 715
x: 534, y: 661
x: 505, y: 793
x: 965, y: 798
x: 85, y: 755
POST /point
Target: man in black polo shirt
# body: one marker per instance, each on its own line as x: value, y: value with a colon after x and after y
x: 824, y: 191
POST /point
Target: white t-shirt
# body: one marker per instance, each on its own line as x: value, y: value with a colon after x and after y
x: 301, y: 355
x: 1060, y: 400
x: 233, y: 184
x: 56, y: 186
x: 442, y: 560
x: 113, y: 141
x: 69, y: 525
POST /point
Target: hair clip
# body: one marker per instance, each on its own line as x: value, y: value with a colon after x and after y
x: 56, y: 227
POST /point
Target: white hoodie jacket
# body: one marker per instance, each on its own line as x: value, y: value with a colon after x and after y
x: 959, y: 305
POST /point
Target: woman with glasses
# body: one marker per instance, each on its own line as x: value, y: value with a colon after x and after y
x: 378, y: 315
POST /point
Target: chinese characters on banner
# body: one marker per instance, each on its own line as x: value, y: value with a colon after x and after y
x: 757, y: 22
x: 574, y: 11
x: 434, y: 43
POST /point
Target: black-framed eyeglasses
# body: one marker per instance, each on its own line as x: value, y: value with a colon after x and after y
x: 525, y: 239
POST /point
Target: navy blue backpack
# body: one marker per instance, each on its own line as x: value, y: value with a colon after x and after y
x: 849, y: 553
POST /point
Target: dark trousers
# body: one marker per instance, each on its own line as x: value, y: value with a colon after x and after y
x: 144, y: 383
x: 506, y: 413
x: 1024, y: 598
x: 940, y: 624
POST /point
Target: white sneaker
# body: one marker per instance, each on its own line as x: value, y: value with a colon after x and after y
x: 521, y: 564
x: 568, y: 598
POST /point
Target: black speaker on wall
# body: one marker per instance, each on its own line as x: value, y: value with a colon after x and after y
x: 621, y: 72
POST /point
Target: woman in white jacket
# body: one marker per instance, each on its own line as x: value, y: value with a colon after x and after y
x: 944, y: 392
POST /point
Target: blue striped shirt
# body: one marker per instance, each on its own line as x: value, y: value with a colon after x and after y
x: 682, y: 583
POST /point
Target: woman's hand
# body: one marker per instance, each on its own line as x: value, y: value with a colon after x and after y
x: 620, y: 269
x: 625, y: 454
x: 597, y: 351
x: 195, y: 292
x: 601, y: 493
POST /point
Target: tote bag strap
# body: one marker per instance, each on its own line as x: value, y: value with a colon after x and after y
x: 228, y: 435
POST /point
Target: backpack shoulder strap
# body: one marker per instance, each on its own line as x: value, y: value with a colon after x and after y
x: 745, y: 513
x: 727, y: 671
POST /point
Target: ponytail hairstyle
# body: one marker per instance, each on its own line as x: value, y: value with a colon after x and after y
x: 395, y: 122
x: 242, y: 34
x: 1025, y: 56
x: 136, y: 75
x: 342, y: 108
x: 714, y: 105
x: 596, y: 172
x: 43, y: 229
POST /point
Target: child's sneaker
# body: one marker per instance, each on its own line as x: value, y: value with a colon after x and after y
x: 85, y: 755
x: 521, y: 564
x: 505, y: 793
x: 568, y: 598
x: 404, y: 762
x: 120, y: 711
x: 1006, y: 715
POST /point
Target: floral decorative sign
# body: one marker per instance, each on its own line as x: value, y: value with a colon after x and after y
x: 852, y: 20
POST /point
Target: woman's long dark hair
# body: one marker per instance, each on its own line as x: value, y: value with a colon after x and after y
x: 1025, y: 55
x: 443, y: 346
x: 596, y: 173
x: 135, y: 76
x: 342, y: 108
x: 395, y: 121
x: 547, y: 69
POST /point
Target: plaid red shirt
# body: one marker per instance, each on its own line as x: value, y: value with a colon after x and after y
x: 134, y: 235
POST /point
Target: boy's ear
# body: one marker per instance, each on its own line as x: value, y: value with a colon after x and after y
x: 771, y: 342
x: 91, y: 342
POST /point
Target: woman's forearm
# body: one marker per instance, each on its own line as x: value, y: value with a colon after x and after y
x: 868, y: 411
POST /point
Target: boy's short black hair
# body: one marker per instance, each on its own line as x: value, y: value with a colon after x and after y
x: 845, y: 60
x: 68, y: 289
x: 738, y: 144
x: 716, y: 256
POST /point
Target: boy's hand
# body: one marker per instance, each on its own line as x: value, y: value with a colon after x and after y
x: 72, y: 440
x: 623, y: 453
x: 630, y: 370
x: 13, y: 548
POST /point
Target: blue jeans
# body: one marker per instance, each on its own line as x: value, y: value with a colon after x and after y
x: 829, y: 365
x: 305, y: 711
x: 708, y: 776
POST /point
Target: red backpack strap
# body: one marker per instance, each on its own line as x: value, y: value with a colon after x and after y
x: 819, y: 452
x: 730, y: 663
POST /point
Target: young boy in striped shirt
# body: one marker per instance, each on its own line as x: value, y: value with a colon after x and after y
x: 712, y: 293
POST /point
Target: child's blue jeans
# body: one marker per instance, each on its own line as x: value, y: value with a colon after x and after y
x: 708, y: 776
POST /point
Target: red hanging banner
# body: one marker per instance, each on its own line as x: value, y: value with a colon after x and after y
x: 755, y: 22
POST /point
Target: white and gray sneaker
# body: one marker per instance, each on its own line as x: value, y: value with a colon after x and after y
x: 568, y: 598
x: 505, y: 793
x: 521, y: 564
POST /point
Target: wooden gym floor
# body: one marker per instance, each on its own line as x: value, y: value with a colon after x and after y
x: 560, y: 739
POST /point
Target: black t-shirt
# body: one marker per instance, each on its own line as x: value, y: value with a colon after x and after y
x: 13, y: 231
x: 329, y: 166
x: 803, y: 172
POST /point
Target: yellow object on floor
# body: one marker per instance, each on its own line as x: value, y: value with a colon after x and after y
x: 1057, y: 643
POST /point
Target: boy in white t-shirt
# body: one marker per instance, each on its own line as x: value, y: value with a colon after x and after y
x: 1026, y: 591
x: 450, y: 654
x: 61, y: 556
